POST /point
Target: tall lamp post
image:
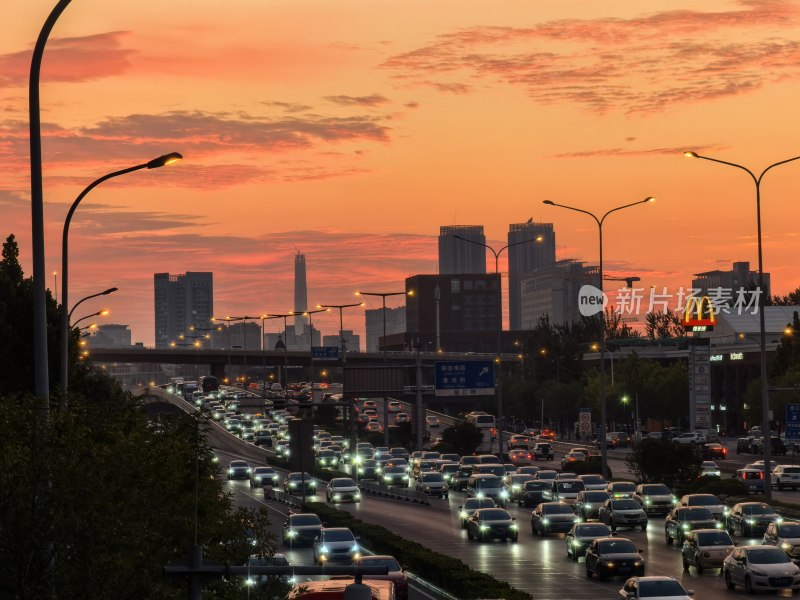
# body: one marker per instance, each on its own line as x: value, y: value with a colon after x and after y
x: 308, y: 314
x: 285, y: 346
x: 600, y: 221
x: 765, y: 427
x: 153, y: 164
x: 383, y: 296
x: 498, y: 359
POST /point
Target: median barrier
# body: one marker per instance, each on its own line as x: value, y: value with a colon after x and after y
x: 394, y: 492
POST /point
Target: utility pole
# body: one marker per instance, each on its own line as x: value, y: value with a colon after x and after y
x: 418, y: 411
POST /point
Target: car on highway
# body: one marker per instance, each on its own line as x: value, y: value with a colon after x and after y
x: 709, y: 501
x: 296, y: 482
x: 571, y: 458
x: 657, y: 587
x: 300, y: 529
x: 432, y: 483
x: 402, y: 417
x: 520, y: 456
x: 593, y: 482
x: 621, y: 489
x: 459, y: 480
x: 395, y: 475
x: 394, y: 406
x: 514, y: 485
x: 335, y: 545
x: 706, y: 549
x: 282, y: 448
x: 373, y: 426
x: 564, y: 490
x: 396, y: 574
x: 655, y: 498
x: 432, y: 422
x: 588, y: 503
x: 424, y: 465
x: 263, y: 476
x: 532, y: 492
x: 622, y: 512
x: 546, y: 475
x: 581, y: 536
x: 708, y: 468
x: 262, y: 438
x: 470, y: 506
x: 369, y: 469
x: 715, y: 451
x: 497, y: 469
x: 490, y: 524
x: 327, y: 458
x: 399, y: 453
x: 486, y: 485
x: 760, y: 568
x: 528, y: 470
x: 690, y: 439
x: 239, y: 469
x: 750, y: 518
x: 786, y: 476
x: 448, y: 470
x: 543, y: 451
x: 613, y: 556
x: 684, y: 519
x: 342, y: 489
x: 552, y: 517
x: 786, y: 536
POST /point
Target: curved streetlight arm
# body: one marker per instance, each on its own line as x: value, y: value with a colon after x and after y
x: 613, y: 210
x: 97, y: 314
x: 487, y: 246
x: 103, y: 293
x: 580, y: 210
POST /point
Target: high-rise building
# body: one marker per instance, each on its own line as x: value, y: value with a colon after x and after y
x: 530, y: 246
x: 457, y: 256
x: 293, y: 340
x: 552, y: 292
x: 395, y: 323
x: 352, y: 342
x: 300, y: 291
x: 724, y: 286
x: 181, y: 301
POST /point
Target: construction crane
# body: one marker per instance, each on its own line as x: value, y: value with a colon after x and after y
x: 628, y: 280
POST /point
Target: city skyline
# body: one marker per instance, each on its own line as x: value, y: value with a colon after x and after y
x: 384, y: 127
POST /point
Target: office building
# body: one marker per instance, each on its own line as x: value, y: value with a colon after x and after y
x: 724, y: 286
x: 552, y: 292
x: 293, y: 340
x: 300, y: 291
x: 530, y: 246
x: 111, y: 336
x: 458, y: 256
x: 352, y: 342
x: 181, y: 301
x: 395, y: 323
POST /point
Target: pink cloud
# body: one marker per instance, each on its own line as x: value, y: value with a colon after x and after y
x: 371, y: 100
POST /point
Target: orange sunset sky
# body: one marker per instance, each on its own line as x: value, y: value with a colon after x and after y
x: 351, y: 130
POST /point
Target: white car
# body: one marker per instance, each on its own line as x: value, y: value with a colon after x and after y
x: 785, y: 476
x: 655, y: 588
x: 342, y: 489
x: 758, y: 568
x: 708, y: 468
x: 693, y: 437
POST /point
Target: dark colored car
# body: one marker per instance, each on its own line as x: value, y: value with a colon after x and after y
x: 552, y: 517
x: 395, y: 476
x: 715, y: 451
x: 581, y: 536
x: 622, y: 512
x: 296, y: 482
x: 588, y: 503
x: 471, y: 505
x: 785, y: 535
x: 396, y: 574
x: 613, y: 556
x: 750, y: 518
x: 492, y: 523
x: 368, y: 469
x: 460, y: 478
x: 655, y: 498
x: 743, y: 445
x: 300, y: 529
x: 532, y: 492
x: 683, y: 519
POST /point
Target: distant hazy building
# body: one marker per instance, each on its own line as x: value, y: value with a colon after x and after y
x: 553, y: 292
x: 293, y: 340
x: 111, y: 336
x: 457, y: 256
x: 181, y: 301
x: 300, y: 292
x: 716, y: 283
x: 525, y: 254
x: 352, y: 342
x: 395, y: 323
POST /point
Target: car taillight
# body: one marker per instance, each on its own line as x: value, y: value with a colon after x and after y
x: 760, y: 475
x: 530, y: 456
x: 724, y: 451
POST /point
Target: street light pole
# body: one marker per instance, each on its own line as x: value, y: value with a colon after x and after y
x: 153, y: 164
x: 600, y: 221
x: 383, y: 296
x: 765, y: 426
x: 498, y: 360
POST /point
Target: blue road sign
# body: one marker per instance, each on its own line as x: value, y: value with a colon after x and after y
x: 793, y: 421
x: 325, y: 352
x: 464, y: 378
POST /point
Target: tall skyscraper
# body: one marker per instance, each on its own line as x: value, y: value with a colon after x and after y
x: 180, y: 302
x: 395, y: 323
x: 523, y: 258
x: 456, y: 256
x: 300, y: 292
x: 552, y: 292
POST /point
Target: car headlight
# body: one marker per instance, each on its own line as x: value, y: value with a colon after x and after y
x: 357, y: 496
x: 405, y: 476
x: 292, y: 484
x: 504, y: 494
x: 324, y: 550
x: 230, y: 471
x: 686, y: 527
x: 275, y: 477
x: 578, y: 520
x: 648, y: 501
x: 513, y: 527
x: 674, y: 500
x: 484, y: 527
x: 354, y: 548
x: 608, y: 563
x: 751, y: 521
x: 479, y: 495
x: 786, y: 546
x: 637, y: 563
x: 718, y: 525
x: 291, y: 533
x: 575, y: 543
x: 515, y: 488
x: 779, y: 520
x: 337, y: 497
x: 545, y: 521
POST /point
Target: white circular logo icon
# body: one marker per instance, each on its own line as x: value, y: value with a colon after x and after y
x: 591, y: 300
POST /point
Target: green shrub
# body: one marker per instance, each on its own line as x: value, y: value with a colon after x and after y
x: 446, y: 572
